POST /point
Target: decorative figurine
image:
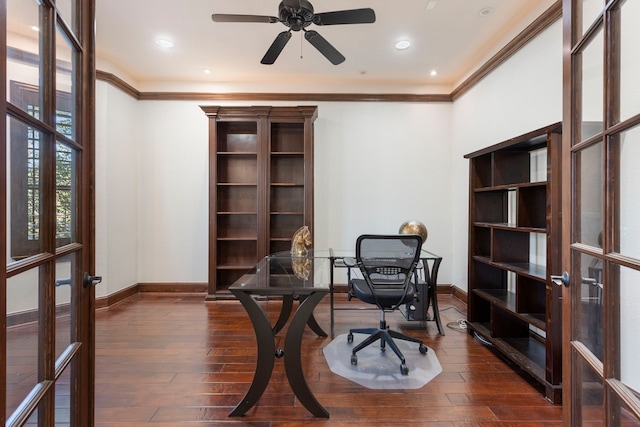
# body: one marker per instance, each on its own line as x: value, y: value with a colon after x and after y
x: 300, y: 244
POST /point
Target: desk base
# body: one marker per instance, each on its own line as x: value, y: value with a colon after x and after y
x: 265, y: 336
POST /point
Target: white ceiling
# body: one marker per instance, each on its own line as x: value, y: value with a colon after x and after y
x: 453, y: 38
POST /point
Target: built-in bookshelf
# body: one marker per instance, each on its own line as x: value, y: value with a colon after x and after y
x: 261, y: 186
x: 514, y: 247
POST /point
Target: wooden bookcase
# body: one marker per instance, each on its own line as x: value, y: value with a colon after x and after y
x: 514, y: 247
x: 260, y: 186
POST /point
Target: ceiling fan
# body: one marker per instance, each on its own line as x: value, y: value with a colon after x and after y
x: 298, y: 15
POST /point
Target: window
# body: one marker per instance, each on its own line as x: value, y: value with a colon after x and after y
x: 25, y: 169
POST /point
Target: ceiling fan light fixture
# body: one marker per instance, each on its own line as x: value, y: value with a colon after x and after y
x: 402, y: 44
x: 164, y: 43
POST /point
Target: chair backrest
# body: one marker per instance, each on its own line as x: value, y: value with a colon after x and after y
x: 387, y: 262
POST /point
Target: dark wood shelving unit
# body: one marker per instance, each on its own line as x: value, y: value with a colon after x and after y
x: 514, y: 247
x: 260, y: 186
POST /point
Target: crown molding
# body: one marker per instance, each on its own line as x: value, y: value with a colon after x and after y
x: 550, y: 16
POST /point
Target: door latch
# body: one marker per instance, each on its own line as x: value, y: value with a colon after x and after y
x: 91, y: 280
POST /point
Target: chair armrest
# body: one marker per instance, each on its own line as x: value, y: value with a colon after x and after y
x: 349, y: 262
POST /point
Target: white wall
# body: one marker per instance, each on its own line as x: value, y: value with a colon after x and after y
x: 376, y: 165
x: 118, y: 135
x: 523, y: 94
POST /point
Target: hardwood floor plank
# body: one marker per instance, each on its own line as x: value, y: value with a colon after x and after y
x: 175, y: 360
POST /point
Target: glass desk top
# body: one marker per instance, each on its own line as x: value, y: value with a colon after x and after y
x: 351, y: 253
x: 280, y: 274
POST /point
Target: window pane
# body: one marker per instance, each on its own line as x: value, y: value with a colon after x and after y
x: 22, y: 336
x: 65, y: 86
x: 63, y: 399
x: 627, y: 417
x: 590, y: 11
x: 65, y: 194
x: 629, y: 318
x: 25, y: 190
x: 589, y: 196
x: 66, y: 9
x: 589, y: 306
x: 591, y: 393
x: 592, y: 89
x: 629, y: 60
x: 628, y: 203
x: 64, y: 269
x: 23, y: 53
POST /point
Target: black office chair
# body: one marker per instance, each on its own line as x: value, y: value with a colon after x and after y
x: 387, y: 263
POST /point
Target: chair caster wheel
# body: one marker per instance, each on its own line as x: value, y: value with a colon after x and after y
x: 350, y: 338
x: 354, y: 359
x: 423, y: 349
x: 404, y: 370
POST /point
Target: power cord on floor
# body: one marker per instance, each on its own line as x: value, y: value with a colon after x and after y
x: 459, y: 325
x: 481, y: 340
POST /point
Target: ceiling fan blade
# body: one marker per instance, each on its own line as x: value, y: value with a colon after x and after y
x: 354, y: 16
x: 324, y: 47
x: 276, y: 47
x: 224, y: 17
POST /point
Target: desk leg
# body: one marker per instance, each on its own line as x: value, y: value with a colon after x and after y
x: 313, y: 323
x: 432, y: 279
x: 285, y: 312
x: 292, y: 362
x: 266, y: 353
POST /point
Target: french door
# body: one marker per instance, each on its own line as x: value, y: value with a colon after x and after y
x: 601, y: 252
x: 46, y: 291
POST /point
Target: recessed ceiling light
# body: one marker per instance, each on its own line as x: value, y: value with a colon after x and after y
x: 486, y: 11
x: 167, y: 44
x: 433, y: 73
x: 402, y: 44
x: 35, y: 28
x: 206, y: 71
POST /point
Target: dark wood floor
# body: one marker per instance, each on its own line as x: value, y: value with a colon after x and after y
x: 174, y: 360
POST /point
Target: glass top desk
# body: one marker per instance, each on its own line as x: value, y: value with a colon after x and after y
x: 307, y: 279
x: 426, y: 273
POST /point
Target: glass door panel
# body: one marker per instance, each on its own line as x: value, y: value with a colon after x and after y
x: 63, y: 399
x: 64, y: 284
x: 67, y: 10
x: 629, y: 318
x: 589, y: 307
x: 590, y: 11
x: 629, y: 60
x: 48, y: 310
x: 25, y: 190
x: 65, y: 194
x: 23, y: 321
x: 592, y: 89
x: 65, y: 83
x: 591, y: 394
x: 626, y: 149
x: 604, y: 253
x: 589, y: 196
x: 23, y: 50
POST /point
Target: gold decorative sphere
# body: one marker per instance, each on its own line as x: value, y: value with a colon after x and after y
x: 414, y: 227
